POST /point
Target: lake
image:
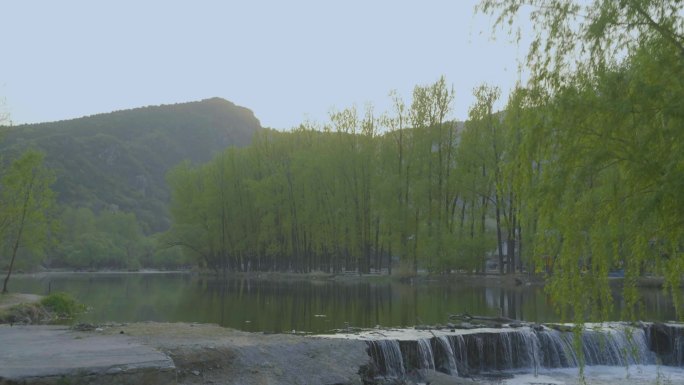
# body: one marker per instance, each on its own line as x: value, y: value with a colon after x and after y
x: 318, y: 306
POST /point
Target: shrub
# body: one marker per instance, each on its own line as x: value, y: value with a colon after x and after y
x: 62, y: 304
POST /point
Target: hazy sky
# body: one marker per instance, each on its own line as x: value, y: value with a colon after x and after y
x: 288, y: 61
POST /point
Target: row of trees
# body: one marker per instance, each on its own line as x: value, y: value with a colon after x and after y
x: 362, y: 192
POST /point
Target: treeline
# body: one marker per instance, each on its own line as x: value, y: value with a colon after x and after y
x: 362, y: 193
x: 108, y: 240
x: 65, y: 237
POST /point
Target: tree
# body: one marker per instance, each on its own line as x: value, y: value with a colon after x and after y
x: 601, y: 152
x: 395, y: 147
x: 482, y: 153
x: 4, y: 118
x: 26, y: 201
x: 573, y: 36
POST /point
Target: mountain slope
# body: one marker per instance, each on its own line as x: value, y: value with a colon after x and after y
x: 118, y: 160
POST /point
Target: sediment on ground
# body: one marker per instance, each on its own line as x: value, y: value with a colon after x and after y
x: 26, y: 309
x: 163, y: 353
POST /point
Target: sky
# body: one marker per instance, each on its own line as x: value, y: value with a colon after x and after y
x: 288, y: 61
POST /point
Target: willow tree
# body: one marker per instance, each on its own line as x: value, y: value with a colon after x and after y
x: 603, y: 157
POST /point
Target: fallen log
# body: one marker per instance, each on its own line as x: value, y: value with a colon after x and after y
x: 465, y: 317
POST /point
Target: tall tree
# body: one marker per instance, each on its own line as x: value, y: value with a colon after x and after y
x: 26, y: 201
x: 489, y: 131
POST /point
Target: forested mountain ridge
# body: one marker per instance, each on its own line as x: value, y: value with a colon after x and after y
x: 119, y: 160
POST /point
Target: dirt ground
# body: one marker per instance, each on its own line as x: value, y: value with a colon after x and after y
x: 13, y: 299
x: 209, y: 354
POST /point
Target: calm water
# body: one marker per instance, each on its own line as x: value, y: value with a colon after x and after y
x: 314, y: 306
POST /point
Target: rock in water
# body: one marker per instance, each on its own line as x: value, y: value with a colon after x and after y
x: 434, y: 377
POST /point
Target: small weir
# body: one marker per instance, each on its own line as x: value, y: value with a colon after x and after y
x: 526, y: 349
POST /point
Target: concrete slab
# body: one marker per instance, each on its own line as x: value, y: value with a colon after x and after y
x: 54, y: 354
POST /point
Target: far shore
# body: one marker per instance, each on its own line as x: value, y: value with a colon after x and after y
x: 478, y: 279
x: 489, y: 278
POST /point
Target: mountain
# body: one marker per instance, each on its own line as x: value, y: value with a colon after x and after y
x: 119, y: 160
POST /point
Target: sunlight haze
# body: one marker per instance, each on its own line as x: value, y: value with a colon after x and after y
x: 287, y: 61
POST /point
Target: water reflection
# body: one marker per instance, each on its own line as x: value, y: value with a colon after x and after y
x: 315, y: 306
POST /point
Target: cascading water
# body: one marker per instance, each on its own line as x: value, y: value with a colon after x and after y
x: 458, y: 347
x: 557, y: 349
x: 448, y: 365
x: 616, y: 347
x: 509, y: 350
x: 427, y: 358
x: 387, y: 356
x: 667, y: 341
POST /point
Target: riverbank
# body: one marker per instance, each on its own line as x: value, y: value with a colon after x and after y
x: 29, y: 309
x: 23, y: 309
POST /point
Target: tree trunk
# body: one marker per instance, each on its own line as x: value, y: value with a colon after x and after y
x: 11, y: 266
x: 15, y: 247
x: 498, y: 234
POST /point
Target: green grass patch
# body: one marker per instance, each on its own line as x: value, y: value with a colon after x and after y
x: 62, y: 304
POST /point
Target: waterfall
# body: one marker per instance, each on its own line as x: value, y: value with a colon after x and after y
x: 495, y: 351
x: 620, y: 346
x: 679, y: 350
x: 387, y: 356
x: 427, y: 358
x: 667, y: 341
x: 458, y: 347
x: 449, y: 365
x: 616, y: 347
x: 557, y: 349
x: 509, y: 350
